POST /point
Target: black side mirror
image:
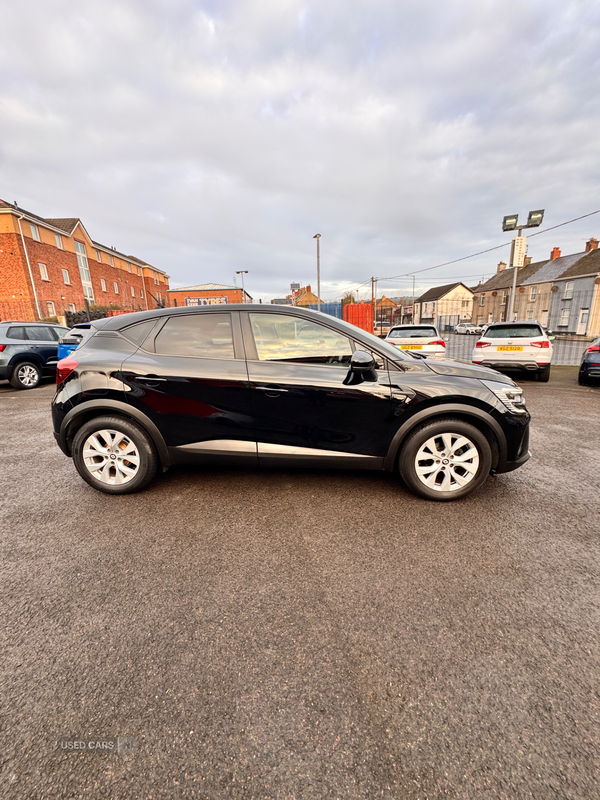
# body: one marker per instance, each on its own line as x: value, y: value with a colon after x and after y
x: 363, y: 367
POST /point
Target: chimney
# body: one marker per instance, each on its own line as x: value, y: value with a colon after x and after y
x: 308, y: 289
x: 527, y: 260
x: 555, y: 253
x: 501, y: 266
x: 591, y: 245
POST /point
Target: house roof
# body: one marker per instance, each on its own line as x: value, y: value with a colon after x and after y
x: 67, y: 225
x: 204, y: 287
x: 504, y: 279
x: 553, y: 269
x: 439, y: 291
x: 588, y: 264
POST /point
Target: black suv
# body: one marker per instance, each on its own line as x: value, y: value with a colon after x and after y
x: 28, y: 352
x: 268, y: 385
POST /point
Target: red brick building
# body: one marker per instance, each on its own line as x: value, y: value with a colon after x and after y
x: 50, y: 266
x: 207, y: 294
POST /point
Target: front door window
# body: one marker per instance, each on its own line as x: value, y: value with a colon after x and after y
x: 279, y: 337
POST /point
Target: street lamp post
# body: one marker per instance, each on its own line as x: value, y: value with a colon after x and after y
x: 317, y: 236
x: 242, y: 272
x: 517, y: 250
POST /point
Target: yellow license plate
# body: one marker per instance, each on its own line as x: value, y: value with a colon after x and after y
x: 411, y: 347
x: 507, y: 347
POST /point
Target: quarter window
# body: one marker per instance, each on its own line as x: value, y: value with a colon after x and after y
x: 200, y: 335
x: 18, y: 332
x: 280, y: 337
x: 44, y: 272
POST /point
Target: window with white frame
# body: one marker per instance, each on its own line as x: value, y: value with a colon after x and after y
x: 545, y: 317
x: 35, y: 233
x: 98, y: 256
x: 103, y: 284
x: 128, y: 267
x: 480, y: 319
x: 568, y: 290
x: 133, y: 291
x: 116, y: 285
x: 111, y: 260
x: 482, y: 299
x: 564, y: 316
x: 66, y: 277
x: 58, y: 240
x: 142, y: 293
x: 504, y: 298
x: 530, y: 314
x: 533, y: 294
x: 72, y: 307
x: 43, y: 272
x: 51, y: 309
x: 84, y: 271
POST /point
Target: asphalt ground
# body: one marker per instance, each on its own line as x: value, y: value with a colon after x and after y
x: 303, y: 634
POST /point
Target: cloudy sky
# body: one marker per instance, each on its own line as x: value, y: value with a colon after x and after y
x: 208, y: 137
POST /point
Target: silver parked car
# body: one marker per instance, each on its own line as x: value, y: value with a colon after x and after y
x: 468, y: 328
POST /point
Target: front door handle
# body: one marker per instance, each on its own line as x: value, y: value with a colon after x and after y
x: 271, y: 391
x: 150, y: 379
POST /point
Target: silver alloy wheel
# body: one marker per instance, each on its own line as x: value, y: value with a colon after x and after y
x: 28, y: 375
x: 111, y: 457
x: 447, y: 462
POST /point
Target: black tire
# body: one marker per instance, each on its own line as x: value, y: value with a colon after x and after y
x: 544, y: 377
x: 142, y: 449
x: 454, y: 427
x: 26, y: 375
x: 581, y: 380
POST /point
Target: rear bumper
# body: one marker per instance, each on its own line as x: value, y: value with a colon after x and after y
x: 513, y: 366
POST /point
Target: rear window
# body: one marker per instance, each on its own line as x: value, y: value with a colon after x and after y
x: 16, y: 332
x: 417, y: 332
x: 513, y: 331
x: 200, y: 335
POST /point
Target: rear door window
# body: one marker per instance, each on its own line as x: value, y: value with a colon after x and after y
x: 38, y: 333
x: 513, y: 332
x: 199, y: 335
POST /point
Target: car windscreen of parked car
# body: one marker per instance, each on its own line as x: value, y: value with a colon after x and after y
x: 414, y: 332
x: 514, y: 331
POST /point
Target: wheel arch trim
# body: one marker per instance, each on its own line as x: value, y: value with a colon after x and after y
x: 443, y: 410
x: 118, y: 407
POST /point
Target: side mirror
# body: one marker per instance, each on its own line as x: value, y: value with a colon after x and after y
x: 446, y: 338
x: 363, y: 367
x: 551, y: 337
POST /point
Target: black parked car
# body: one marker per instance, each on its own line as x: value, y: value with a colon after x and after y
x: 589, y: 369
x: 28, y: 352
x: 278, y: 386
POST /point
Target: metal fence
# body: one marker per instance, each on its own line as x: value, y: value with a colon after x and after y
x: 567, y: 350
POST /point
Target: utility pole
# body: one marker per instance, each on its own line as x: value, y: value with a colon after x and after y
x: 317, y: 236
x: 242, y: 272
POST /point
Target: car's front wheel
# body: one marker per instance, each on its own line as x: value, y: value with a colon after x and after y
x: 445, y: 459
x: 114, y: 455
x: 25, y: 375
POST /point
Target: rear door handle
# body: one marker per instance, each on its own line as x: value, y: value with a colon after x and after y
x: 271, y: 391
x: 150, y: 379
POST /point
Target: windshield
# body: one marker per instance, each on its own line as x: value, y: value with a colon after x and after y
x: 513, y: 332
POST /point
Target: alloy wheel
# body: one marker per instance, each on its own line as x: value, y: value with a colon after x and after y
x: 111, y: 457
x: 446, y: 462
x: 28, y: 375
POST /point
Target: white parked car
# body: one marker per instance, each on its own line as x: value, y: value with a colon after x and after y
x: 424, y: 339
x: 468, y: 328
x: 515, y: 347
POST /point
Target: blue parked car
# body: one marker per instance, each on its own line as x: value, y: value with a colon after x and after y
x: 590, y: 364
x: 73, y: 339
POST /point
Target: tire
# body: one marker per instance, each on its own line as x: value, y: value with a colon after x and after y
x: 544, y: 377
x: 96, y: 449
x: 26, y: 375
x: 428, y: 439
x: 581, y: 380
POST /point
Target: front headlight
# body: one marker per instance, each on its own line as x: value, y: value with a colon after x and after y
x: 510, y: 396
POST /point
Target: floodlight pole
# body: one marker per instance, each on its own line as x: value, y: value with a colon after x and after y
x: 514, y: 283
x: 318, y: 238
x: 242, y: 272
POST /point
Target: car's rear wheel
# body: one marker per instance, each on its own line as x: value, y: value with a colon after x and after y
x: 25, y: 375
x: 445, y: 460
x: 114, y: 455
x: 544, y: 377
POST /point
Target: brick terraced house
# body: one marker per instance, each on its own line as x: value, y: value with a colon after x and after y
x: 50, y: 266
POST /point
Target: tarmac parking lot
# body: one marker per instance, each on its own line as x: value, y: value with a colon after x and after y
x: 303, y: 634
